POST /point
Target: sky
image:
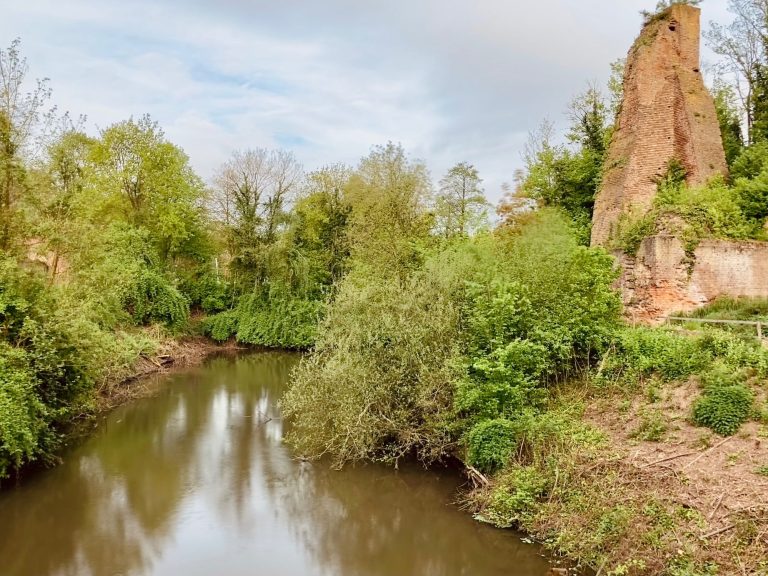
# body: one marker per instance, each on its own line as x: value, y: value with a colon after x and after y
x: 451, y: 80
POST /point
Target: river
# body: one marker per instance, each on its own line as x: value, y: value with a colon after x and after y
x: 195, y: 480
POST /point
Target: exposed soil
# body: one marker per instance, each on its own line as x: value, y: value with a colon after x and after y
x: 722, y: 478
x: 171, y: 355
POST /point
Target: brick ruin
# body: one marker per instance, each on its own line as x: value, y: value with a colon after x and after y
x: 667, y: 113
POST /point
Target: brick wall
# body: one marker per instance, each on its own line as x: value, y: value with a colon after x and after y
x: 662, y: 279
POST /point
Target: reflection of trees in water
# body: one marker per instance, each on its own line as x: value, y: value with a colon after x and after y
x: 373, y: 522
x: 118, y: 502
x: 112, y: 507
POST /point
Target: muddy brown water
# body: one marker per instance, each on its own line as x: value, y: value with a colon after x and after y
x: 195, y: 480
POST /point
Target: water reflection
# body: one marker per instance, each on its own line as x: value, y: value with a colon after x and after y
x: 196, y: 481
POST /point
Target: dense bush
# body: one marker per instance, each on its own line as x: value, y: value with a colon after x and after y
x: 724, y: 408
x: 122, y: 279
x: 22, y: 414
x: 476, y: 334
x: 44, y: 379
x: 205, y: 291
x: 379, y: 382
x: 491, y: 444
x: 153, y: 298
x: 275, y: 320
x: 642, y: 352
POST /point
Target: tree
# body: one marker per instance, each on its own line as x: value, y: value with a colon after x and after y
x: 20, y: 115
x: 729, y: 118
x: 64, y: 179
x: 388, y: 195
x: 742, y: 45
x: 568, y: 177
x: 251, y: 192
x: 460, y: 206
x: 148, y: 180
x: 319, y: 223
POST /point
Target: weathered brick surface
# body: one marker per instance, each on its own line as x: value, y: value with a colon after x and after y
x: 662, y: 279
x: 666, y: 113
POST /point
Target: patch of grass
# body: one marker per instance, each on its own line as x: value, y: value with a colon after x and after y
x: 653, y: 426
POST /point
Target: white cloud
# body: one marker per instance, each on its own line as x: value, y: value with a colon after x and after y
x: 452, y: 80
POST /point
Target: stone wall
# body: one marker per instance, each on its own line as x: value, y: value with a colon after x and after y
x: 666, y: 113
x: 662, y: 279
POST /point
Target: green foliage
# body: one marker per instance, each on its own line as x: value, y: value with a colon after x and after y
x: 724, y: 408
x: 460, y: 205
x: 515, y: 497
x: 474, y: 335
x: 206, y: 291
x: 653, y: 426
x: 728, y: 308
x: 379, y: 381
x: 729, y: 118
x: 221, y: 326
x: 43, y: 377
x: 122, y: 274
x: 644, y: 352
x: 691, y: 213
x: 22, y: 414
x: 278, y: 321
x: 144, y: 176
x: 632, y: 235
x: 491, y: 444
x: 152, y: 298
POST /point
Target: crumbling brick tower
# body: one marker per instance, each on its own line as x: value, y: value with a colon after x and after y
x: 666, y: 113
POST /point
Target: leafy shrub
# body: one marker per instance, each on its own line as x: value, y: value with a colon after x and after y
x: 275, y: 320
x: 643, y: 352
x: 379, y: 381
x: 152, y: 298
x: 221, y: 326
x: 735, y: 352
x: 278, y: 321
x: 44, y: 379
x: 22, y: 414
x: 515, y: 497
x: 491, y: 444
x: 475, y: 334
x: 205, y: 291
x: 540, y: 312
x: 724, y: 408
x: 653, y: 426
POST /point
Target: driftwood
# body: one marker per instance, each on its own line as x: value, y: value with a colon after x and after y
x: 477, y: 476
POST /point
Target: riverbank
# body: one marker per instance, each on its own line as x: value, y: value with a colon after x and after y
x: 625, y: 484
x: 170, y: 355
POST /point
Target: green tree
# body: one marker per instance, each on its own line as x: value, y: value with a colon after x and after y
x: 389, y: 196
x: 319, y: 224
x: 568, y: 177
x: 742, y: 47
x: 20, y: 115
x: 729, y: 118
x: 139, y: 174
x: 251, y: 192
x: 58, y: 192
x: 460, y: 205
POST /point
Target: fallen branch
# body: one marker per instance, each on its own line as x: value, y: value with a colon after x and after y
x: 717, y: 506
x: 719, y: 531
x: 707, y: 451
x: 668, y: 459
